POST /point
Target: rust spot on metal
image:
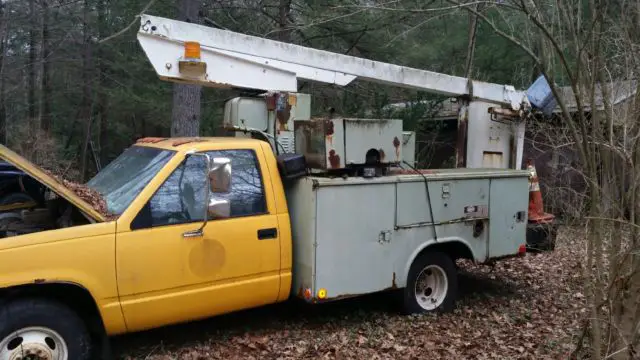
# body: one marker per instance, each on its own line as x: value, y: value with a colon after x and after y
x: 186, y: 141
x: 39, y: 281
x: 311, y: 141
x: 334, y: 159
x: 271, y: 102
x: 283, y: 114
x: 151, y: 140
x: 461, y: 140
x: 396, y: 144
x: 301, y: 295
x: 329, y: 129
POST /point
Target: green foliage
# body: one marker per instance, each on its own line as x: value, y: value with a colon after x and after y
x: 128, y: 101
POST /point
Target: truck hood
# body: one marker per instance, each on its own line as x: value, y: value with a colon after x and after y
x: 49, y: 181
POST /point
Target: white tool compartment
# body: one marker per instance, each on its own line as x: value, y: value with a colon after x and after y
x: 356, y: 236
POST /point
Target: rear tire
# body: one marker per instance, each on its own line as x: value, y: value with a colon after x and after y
x: 432, y: 284
x: 42, y: 329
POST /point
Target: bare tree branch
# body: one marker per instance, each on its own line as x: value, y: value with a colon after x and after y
x: 131, y: 24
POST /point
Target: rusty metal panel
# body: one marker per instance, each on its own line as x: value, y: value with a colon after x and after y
x: 373, y: 136
x: 409, y: 147
x: 321, y: 141
x: 338, y: 143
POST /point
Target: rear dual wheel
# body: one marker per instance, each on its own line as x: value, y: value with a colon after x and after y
x: 432, y: 284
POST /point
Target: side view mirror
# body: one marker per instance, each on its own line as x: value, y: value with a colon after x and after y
x: 220, y: 175
x: 219, y: 183
x: 219, y: 208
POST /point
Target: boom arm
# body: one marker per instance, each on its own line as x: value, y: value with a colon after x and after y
x: 234, y: 59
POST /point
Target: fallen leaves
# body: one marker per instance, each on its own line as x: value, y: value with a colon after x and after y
x: 86, y: 193
x: 521, y: 308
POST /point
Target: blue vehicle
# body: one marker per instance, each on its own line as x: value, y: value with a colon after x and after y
x: 17, y: 189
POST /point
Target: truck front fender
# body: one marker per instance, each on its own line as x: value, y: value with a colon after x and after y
x: 81, y: 256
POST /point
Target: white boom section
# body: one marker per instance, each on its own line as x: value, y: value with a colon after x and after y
x: 240, y: 60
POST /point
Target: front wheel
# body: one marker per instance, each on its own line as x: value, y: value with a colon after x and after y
x: 432, y: 284
x: 39, y: 329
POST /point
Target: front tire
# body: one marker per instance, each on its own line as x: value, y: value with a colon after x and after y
x: 41, y: 329
x: 432, y: 284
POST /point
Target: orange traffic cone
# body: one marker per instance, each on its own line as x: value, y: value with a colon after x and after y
x: 536, y: 208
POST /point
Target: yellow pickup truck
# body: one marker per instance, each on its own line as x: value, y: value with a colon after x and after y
x: 195, y: 227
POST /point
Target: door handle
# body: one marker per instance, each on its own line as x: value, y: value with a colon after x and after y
x: 264, y: 234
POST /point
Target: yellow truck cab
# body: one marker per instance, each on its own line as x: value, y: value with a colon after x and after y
x: 178, y: 229
x: 144, y: 263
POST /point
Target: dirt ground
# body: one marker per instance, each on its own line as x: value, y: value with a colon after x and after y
x: 521, y: 308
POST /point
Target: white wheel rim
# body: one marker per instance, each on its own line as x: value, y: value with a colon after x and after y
x: 431, y: 287
x: 34, y: 343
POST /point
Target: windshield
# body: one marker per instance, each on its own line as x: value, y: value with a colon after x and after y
x: 125, y: 177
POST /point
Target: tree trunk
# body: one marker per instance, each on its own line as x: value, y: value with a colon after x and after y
x: 31, y: 95
x: 45, y: 109
x: 86, y: 113
x: 103, y: 100
x: 3, y: 112
x: 185, y: 116
x: 471, y: 44
x: 284, y: 32
x: 103, y: 105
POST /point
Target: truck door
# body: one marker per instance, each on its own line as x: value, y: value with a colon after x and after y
x: 165, y: 277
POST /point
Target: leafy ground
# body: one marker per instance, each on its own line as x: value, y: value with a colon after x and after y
x: 522, y: 308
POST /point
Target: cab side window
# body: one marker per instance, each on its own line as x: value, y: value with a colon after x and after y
x: 247, y: 191
x: 181, y: 198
